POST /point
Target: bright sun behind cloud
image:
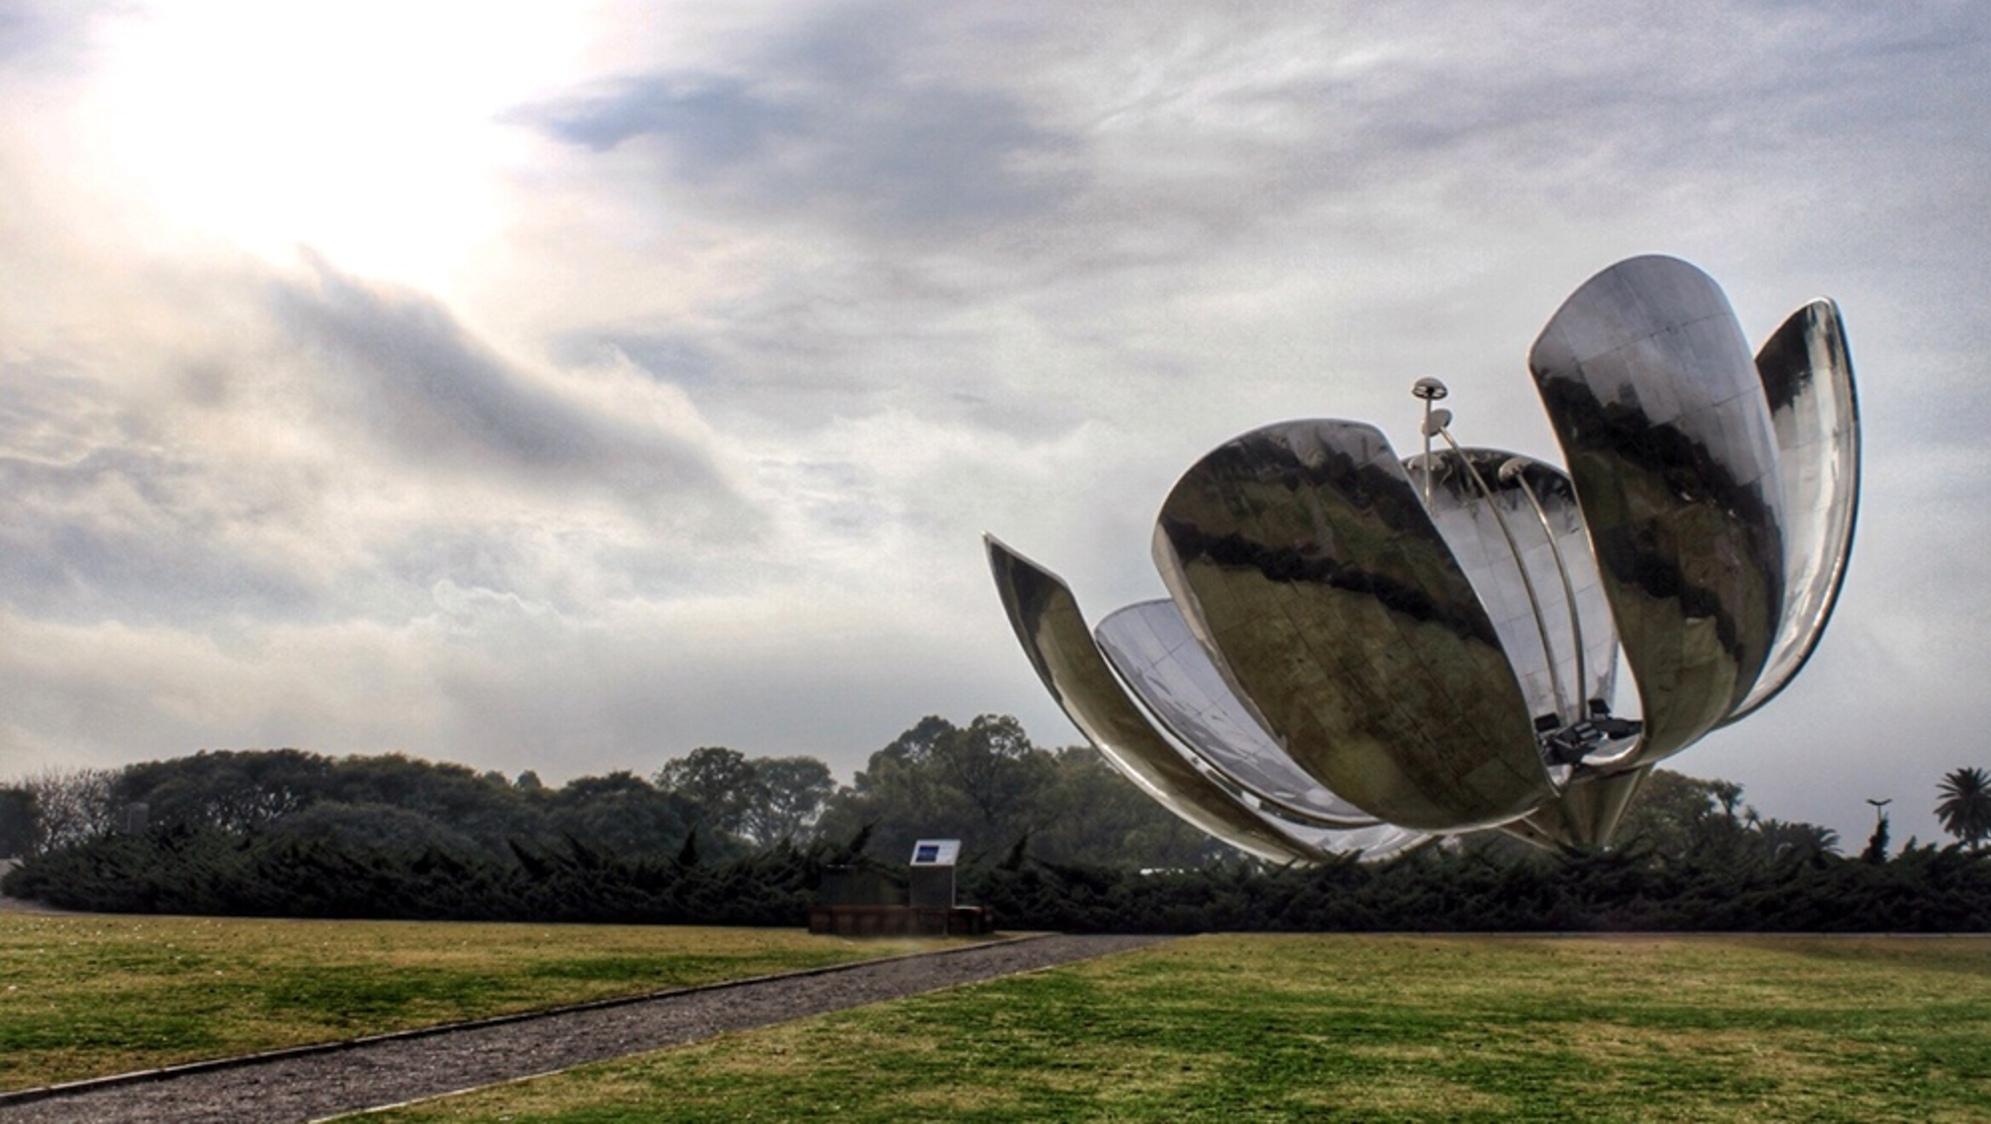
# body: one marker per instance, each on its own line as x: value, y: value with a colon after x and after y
x: 369, y: 132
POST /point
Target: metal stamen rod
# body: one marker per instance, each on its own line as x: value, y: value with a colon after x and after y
x: 1527, y: 583
x: 1430, y: 390
x: 1516, y: 470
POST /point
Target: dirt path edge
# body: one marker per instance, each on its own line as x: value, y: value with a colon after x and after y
x: 34, y: 1093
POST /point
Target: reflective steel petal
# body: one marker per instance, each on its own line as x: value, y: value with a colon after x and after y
x: 1047, y: 620
x: 1374, y: 844
x: 1807, y: 377
x: 1653, y: 395
x: 1528, y: 598
x: 1151, y: 647
x: 1302, y: 557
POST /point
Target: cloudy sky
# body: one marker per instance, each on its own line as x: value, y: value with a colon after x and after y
x: 568, y: 387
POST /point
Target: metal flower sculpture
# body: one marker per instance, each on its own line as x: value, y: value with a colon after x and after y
x: 1360, y: 653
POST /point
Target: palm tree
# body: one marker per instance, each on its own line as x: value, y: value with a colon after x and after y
x: 1806, y: 840
x: 1966, y: 805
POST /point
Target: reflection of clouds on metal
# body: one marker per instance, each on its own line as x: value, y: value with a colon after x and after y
x: 1650, y: 389
x: 1808, y: 381
x: 1151, y: 647
x: 1047, y: 619
x: 1332, y: 603
x: 1361, y: 652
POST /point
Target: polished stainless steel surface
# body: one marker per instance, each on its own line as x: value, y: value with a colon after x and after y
x: 1150, y: 645
x: 1807, y: 376
x: 1301, y: 555
x: 1047, y: 620
x: 1568, y: 705
x: 1485, y: 533
x: 1433, y: 644
x: 1370, y: 844
x: 1651, y: 391
x: 1515, y: 470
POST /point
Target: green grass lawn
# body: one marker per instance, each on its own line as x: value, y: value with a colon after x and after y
x: 1322, y: 1027
x: 91, y: 994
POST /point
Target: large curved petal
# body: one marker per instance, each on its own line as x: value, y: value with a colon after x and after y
x: 1150, y: 645
x: 1375, y: 844
x: 1554, y: 555
x: 1807, y: 376
x: 1651, y: 391
x: 1047, y: 620
x: 1302, y: 558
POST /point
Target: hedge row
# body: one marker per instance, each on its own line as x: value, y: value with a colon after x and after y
x: 1924, y: 889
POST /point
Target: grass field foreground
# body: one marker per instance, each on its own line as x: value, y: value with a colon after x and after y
x: 86, y: 995
x: 1355, y: 1027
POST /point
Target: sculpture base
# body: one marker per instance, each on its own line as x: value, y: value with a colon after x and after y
x: 901, y: 921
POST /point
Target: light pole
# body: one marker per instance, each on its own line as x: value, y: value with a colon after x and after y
x: 1877, y: 806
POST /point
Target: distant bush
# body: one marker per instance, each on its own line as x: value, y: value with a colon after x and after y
x: 281, y: 873
x: 1053, y: 839
x: 1924, y: 889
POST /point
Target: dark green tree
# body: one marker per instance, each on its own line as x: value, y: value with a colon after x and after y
x: 244, y: 790
x: 371, y: 826
x: 1677, y: 815
x: 788, y: 795
x: 1965, y: 808
x: 622, y: 814
x: 718, y: 780
x: 19, y: 822
x: 1794, y: 839
x: 1876, y: 851
x: 1677, y: 819
x: 232, y: 790
x: 983, y: 783
x: 1093, y: 814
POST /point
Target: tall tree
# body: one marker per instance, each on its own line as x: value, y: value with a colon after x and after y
x: 72, y: 805
x: 233, y: 790
x: 719, y: 780
x: 788, y: 796
x: 1876, y: 851
x: 1679, y: 815
x: 1965, y: 808
x: 623, y: 814
x: 983, y: 783
x: 1094, y: 815
x: 1782, y: 839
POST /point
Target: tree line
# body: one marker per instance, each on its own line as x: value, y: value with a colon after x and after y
x: 1053, y: 839
x: 1476, y: 885
x: 984, y: 782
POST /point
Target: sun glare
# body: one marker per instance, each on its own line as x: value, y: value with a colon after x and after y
x: 371, y: 133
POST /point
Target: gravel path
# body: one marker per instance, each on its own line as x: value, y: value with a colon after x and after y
x: 381, y: 1073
